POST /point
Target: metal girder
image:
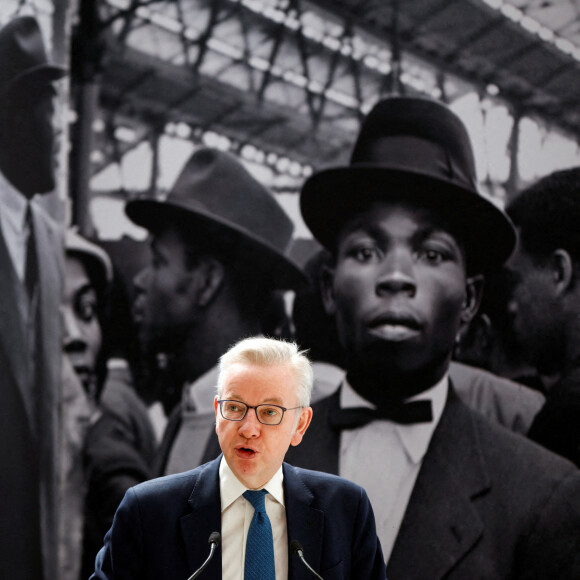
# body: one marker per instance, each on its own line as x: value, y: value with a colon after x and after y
x: 211, y: 79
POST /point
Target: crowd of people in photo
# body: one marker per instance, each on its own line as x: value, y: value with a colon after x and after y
x: 443, y: 335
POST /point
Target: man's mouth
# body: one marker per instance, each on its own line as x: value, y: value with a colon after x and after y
x: 395, y: 327
x: 80, y: 366
x: 245, y: 452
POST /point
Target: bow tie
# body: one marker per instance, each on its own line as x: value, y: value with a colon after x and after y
x: 402, y: 413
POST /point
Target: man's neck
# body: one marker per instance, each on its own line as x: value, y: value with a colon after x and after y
x: 382, y: 386
x: 7, y: 180
x: 204, y: 346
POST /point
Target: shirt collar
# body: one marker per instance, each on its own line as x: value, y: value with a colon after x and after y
x: 328, y: 371
x: 202, y: 392
x: 13, y: 203
x: 415, y: 437
x: 231, y: 488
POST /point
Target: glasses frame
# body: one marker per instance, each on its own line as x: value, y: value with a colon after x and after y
x: 255, y: 407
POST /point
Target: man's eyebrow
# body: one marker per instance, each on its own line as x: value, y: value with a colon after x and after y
x: 269, y: 400
x: 354, y: 226
x: 274, y: 401
x: 433, y: 230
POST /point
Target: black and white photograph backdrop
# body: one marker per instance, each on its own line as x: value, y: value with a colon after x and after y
x: 183, y: 129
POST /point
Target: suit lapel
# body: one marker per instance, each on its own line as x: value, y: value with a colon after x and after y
x: 50, y: 273
x: 49, y: 246
x: 304, y: 524
x: 212, y: 448
x: 319, y: 449
x: 441, y: 525
x: 169, y: 435
x: 205, y: 518
x: 12, y: 339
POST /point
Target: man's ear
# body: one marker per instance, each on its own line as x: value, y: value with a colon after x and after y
x: 472, y: 300
x: 215, y: 409
x: 327, y: 290
x: 475, y: 337
x: 562, y: 268
x: 211, y: 278
x: 303, y: 422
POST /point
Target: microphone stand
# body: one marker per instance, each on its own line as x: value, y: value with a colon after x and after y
x: 214, y: 542
x: 297, y: 549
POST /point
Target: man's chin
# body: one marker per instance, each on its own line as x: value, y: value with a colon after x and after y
x: 248, y: 475
x: 158, y: 344
x: 391, y: 353
x: 41, y: 182
x: 403, y: 364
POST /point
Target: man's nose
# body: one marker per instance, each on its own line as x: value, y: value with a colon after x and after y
x: 397, y: 273
x: 512, y: 307
x: 250, y: 427
x: 141, y: 279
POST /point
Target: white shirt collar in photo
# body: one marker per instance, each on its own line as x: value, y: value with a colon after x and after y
x: 415, y: 437
x: 231, y: 488
x: 13, y: 223
x: 199, y: 395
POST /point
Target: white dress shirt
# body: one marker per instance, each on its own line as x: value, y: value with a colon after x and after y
x: 14, y: 225
x: 385, y: 458
x: 237, y: 513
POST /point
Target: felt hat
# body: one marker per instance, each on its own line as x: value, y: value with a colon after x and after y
x: 216, y: 195
x: 23, y: 56
x: 417, y: 150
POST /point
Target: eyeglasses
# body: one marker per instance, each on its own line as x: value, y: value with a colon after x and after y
x: 266, y: 414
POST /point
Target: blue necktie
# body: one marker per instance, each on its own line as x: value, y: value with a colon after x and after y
x: 259, y: 563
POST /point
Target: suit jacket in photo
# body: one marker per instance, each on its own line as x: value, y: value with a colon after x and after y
x: 29, y: 410
x: 487, y: 504
x: 162, y: 527
x: 557, y: 426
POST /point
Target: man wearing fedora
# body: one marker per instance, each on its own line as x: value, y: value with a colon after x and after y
x: 220, y: 245
x: 30, y: 337
x: 455, y: 496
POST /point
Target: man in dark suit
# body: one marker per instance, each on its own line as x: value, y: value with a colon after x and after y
x: 30, y: 338
x: 258, y: 503
x: 454, y: 495
x: 220, y: 245
x: 544, y: 306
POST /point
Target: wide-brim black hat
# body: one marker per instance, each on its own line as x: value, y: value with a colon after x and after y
x: 414, y: 150
x: 23, y: 56
x: 216, y: 195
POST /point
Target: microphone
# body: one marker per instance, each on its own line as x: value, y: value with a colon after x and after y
x: 297, y: 549
x: 214, y: 541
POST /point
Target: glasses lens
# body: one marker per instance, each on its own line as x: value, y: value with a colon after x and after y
x: 233, y: 410
x: 270, y: 414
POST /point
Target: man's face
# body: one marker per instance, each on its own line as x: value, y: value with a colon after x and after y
x: 28, y: 134
x: 254, y: 451
x: 399, y: 291
x: 534, y: 310
x: 82, y: 331
x: 164, y: 307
